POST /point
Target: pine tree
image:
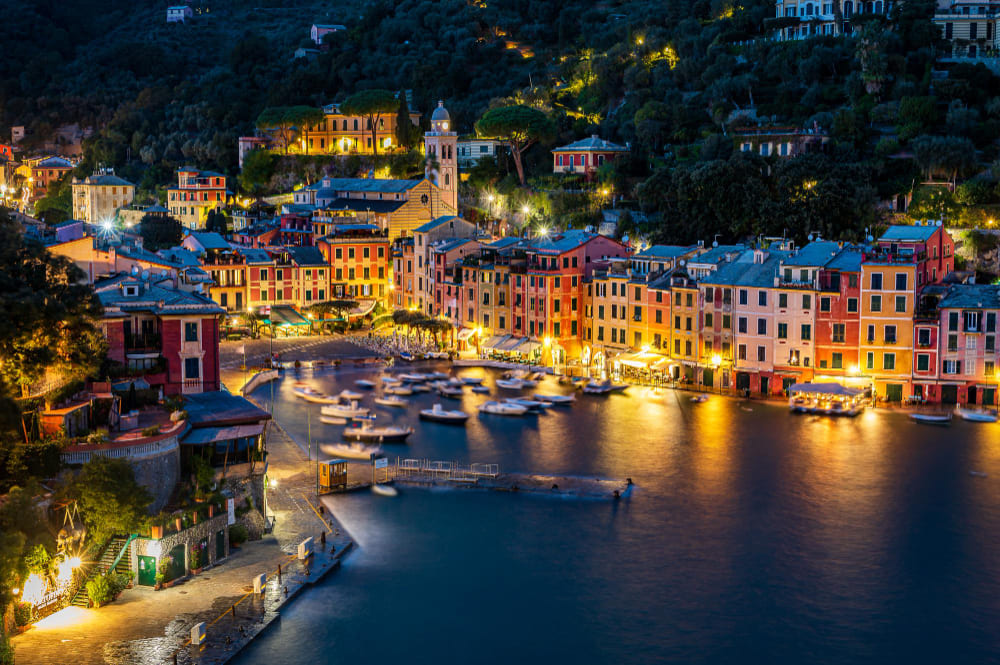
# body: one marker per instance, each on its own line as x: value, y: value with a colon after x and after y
x: 404, y: 128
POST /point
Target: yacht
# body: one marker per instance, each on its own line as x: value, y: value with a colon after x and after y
x: 511, y: 384
x: 450, y: 391
x: 502, y: 408
x: 472, y: 380
x: 439, y: 415
x: 482, y: 390
x: 407, y: 356
x: 350, y: 394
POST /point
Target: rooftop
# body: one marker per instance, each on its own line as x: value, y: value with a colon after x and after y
x: 209, y: 239
x: 150, y: 297
x: 557, y: 243
x: 364, y: 205
x: 817, y: 254
x: 664, y: 251
x: 920, y: 233
x: 972, y: 296
x: 364, y: 185
x: 435, y: 223
x: 592, y: 143
x: 220, y: 407
x: 106, y: 180
x: 306, y: 256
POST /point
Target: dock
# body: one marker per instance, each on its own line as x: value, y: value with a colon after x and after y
x: 482, y: 476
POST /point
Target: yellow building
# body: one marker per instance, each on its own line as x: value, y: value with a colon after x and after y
x: 344, y: 134
x: 97, y: 198
x: 888, y: 289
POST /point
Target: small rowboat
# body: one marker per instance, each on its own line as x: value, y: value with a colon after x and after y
x: 439, y: 415
x: 931, y: 418
x: 556, y: 399
x: 399, y: 390
x: 391, y: 400
x: 450, y: 391
x: 350, y: 394
x: 384, y: 490
x: 502, y: 409
x: 976, y: 416
x: 351, y: 410
x: 369, y: 432
x: 365, y: 383
x: 482, y: 390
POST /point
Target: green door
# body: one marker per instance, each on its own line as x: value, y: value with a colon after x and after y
x: 220, y: 545
x: 894, y: 392
x: 708, y: 378
x: 178, y: 566
x: 989, y: 396
x: 147, y: 571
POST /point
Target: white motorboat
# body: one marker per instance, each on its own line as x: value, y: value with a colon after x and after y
x: 390, y: 380
x: 556, y: 399
x: 437, y: 355
x: 439, y: 415
x: 350, y: 394
x: 356, y: 450
x: 367, y: 431
x: 450, y: 391
x: 332, y: 420
x: 391, y: 400
x: 413, y: 377
x: 534, y: 405
x: 976, y: 415
x: 931, y: 418
x: 407, y: 356
x: 437, y: 376
x: 384, y: 490
x: 350, y: 410
x: 482, y: 390
x: 511, y: 384
x: 399, y: 390
x: 502, y: 408
x: 472, y: 380
x: 365, y: 383
x: 314, y: 396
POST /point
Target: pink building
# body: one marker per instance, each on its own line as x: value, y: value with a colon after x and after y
x: 585, y: 156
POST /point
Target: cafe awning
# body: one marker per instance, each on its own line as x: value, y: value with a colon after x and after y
x: 465, y: 333
x: 824, y: 389
x: 639, y: 359
x: 527, y: 347
x: 511, y: 343
x: 284, y: 315
x: 205, y: 435
x: 495, y: 341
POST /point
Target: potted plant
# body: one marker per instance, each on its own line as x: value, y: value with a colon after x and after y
x: 156, y: 531
x: 162, y: 570
x: 179, y: 523
x: 197, y: 559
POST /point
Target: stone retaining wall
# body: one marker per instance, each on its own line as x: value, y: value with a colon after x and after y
x: 188, y: 537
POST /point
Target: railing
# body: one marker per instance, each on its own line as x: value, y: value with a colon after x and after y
x: 413, y: 468
x: 143, y: 341
x: 134, y: 451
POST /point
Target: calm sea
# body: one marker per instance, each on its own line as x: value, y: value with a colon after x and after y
x: 753, y: 536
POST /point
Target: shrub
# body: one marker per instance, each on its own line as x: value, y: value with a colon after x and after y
x: 22, y: 614
x: 6, y: 650
x: 152, y: 430
x: 238, y: 534
x: 163, y: 569
x: 99, y: 590
x: 197, y: 557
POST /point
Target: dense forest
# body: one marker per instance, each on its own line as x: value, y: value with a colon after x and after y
x: 671, y: 80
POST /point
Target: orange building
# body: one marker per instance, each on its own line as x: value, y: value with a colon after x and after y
x: 358, y: 256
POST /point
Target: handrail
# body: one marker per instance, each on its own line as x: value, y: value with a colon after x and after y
x: 122, y: 552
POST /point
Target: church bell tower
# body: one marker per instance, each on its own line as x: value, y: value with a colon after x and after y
x: 441, y: 144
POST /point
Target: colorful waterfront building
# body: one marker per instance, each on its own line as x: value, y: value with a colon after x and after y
x: 197, y: 192
x: 838, y: 318
x: 425, y: 236
x: 968, y: 352
x: 358, y: 260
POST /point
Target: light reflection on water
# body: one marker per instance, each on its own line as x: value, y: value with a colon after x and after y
x: 754, y: 535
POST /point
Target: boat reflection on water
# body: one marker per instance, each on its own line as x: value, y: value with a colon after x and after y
x: 831, y: 399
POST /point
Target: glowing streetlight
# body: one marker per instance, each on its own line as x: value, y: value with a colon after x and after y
x: 525, y: 209
x: 855, y: 370
x: 543, y: 231
x: 716, y: 360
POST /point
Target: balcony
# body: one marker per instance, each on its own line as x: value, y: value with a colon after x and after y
x: 147, y: 342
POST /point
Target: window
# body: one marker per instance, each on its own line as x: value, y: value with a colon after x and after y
x: 687, y: 323
x: 190, y: 332
x: 876, y: 281
x: 923, y: 362
x: 901, y: 281
x: 890, y: 334
x: 953, y: 342
x: 990, y: 343
x: 952, y: 320
x: 677, y: 347
x: 689, y: 300
x: 743, y: 296
x: 852, y: 281
x: 806, y: 301
x: 761, y: 354
x: 658, y: 317
x: 876, y: 303
x: 837, y: 361
x: 923, y: 336
x: 989, y: 368
x: 971, y: 321
x: 782, y: 331
x: 900, y: 303
x: 677, y: 322
x: 741, y: 351
x: 782, y: 300
x: 871, y: 333
x: 838, y: 333
x: 991, y: 322
x: 952, y: 367
x: 888, y: 361
x: 727, y: 322
x: 761, y: 326
x: 709, y: 320
x: 709, y: 294
x: 870, y: 360
x: 806, y: 332
x: 852, y: 305
x: 741, y: 324
x: 192, y: 368
x: 762, y: 298
x: 687, y: 348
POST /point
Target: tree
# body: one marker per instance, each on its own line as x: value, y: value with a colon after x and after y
x: 519, y: 127
x: 405, y: 131
x: 48, y: 314
x: 944, y: 154
x: 370, y: 105
x: 217, y: 221
x: 158, y: 232
x: 282, y: 122
x: 111, y: 500
x: 258, y: 169
x: 335, y: 307
x: 57, y: 204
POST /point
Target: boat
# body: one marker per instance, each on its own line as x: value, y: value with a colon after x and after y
x: 931, y: 418
x: 421, y: 388
x: 534, y: 405
x: 314, y: 396
x: 332, y: 420
x: 976, y: 415
x: 367, y: 431
x: 439, y: 415
x: 407, y: 356
x: 471, y: 380
x: 502, y: 408
x: 391, y: 400
x: 350, y: 394
x: 556, y: 399
x: 365, y: 383
x: 450, y: 391
x: 482, y: 390
x: 356, y: 450
x: 350, y: 410
x: 703, y: 397
x: 511, y: 384
x: 603, y: 387
x: 437, y: 355
x: 390, y: 380
x: 384, y: 490
x: 437, y: 376
x: 413, y: 377
x: 399, y: 390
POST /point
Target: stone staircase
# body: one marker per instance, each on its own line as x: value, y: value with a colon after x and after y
x: 116, y: 556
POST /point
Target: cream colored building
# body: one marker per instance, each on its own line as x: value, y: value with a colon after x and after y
x: 98, y: 197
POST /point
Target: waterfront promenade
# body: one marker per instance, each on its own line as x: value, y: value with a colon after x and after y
x: 146, y: 626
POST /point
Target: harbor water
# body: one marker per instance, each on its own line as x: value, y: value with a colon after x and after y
x: 753, y: 535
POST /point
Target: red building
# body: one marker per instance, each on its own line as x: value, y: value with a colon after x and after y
x: 838, y: 315
x: 167, y: 336
x: 585, y: 156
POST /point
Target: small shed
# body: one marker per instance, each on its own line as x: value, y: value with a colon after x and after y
x: 332, y: 475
